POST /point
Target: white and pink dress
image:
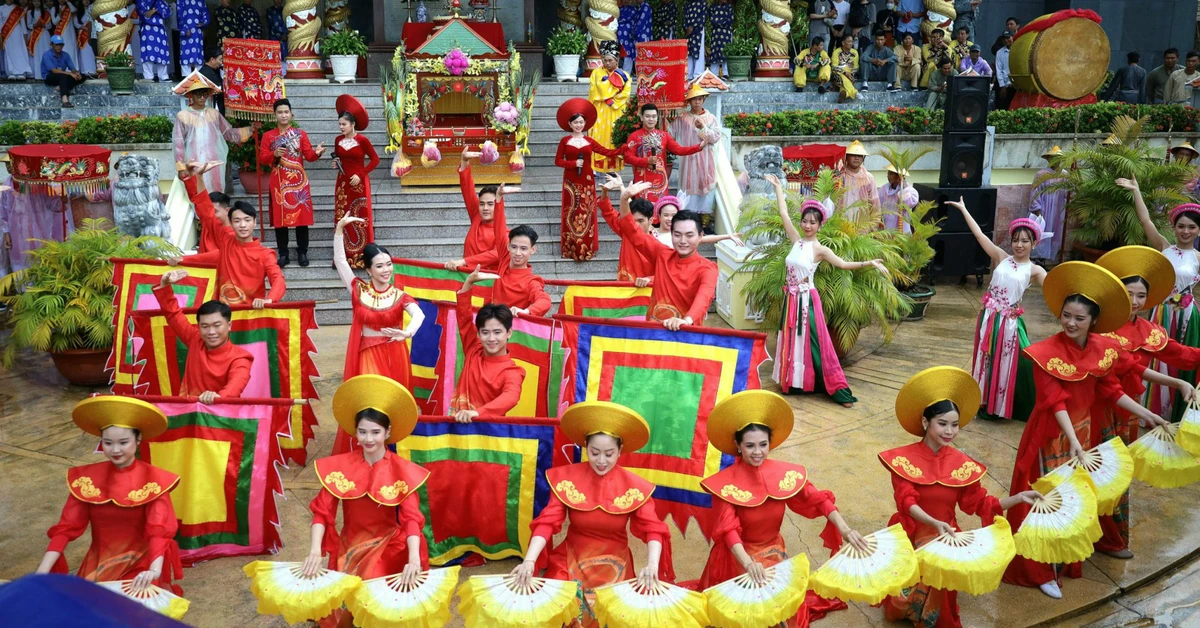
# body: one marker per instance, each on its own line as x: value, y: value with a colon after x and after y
x: 1004, y: 374
x: 804, y: 357
x: 1177, y: 315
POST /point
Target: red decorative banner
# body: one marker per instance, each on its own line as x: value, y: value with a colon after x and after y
x: 662, y: 72
x: 253, y: 78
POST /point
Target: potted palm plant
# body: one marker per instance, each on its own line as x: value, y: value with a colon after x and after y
x: 1099, y: 211
x: 63, y: 303
x: 566, y: 46
x: 851, y: 300
x: 343, y: 49
x: 118, y: 68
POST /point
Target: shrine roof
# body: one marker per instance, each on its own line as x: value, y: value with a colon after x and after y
x: 438, y: 38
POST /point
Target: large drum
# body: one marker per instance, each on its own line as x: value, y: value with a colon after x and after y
x: 1063, y: 55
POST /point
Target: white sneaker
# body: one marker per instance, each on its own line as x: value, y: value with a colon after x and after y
x: 1052, y: 590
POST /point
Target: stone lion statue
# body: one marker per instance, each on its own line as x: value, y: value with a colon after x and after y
x: 759, y: 163
x: 138, y: 208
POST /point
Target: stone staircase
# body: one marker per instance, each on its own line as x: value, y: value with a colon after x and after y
x: 773, y: 96
x: 36, y: 101
x: 430, y: 223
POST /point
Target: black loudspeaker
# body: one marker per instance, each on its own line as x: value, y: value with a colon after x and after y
x: 980, y: 202
x: 967, y: 103
x: 962, y: 160
x: 957, y: 255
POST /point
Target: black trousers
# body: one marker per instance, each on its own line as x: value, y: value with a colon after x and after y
x: 65, y: 82
x: 281, y: 238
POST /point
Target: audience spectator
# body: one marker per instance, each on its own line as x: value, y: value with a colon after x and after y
x: 1011, y: 25
x: 1182, y: 82
x: 837, y: 30
x: 862, y: 16
x: 845, y: 64
x: 812, y: 65
x: 879, y: 64
x: 58, y: 71
x: 961, y: 47
x: 250, y: 20
x: 1129, y: 83
x: 1156, y: 80
x: 930, y: 53
x: 1004, y: 86
x: 820, y: 16
x: 211, y: 70
x: 885, y: 21
x: 968, y: 12
x: 937, y: 83
x: 909, y: 16
x: 974, y: 65
x: 277, y: 26
x: 908, y: 61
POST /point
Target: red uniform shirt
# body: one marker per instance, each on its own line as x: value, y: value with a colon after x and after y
x: 631, y: 264
x: 480, y: 237
x: 683, y: 286
x: 644, y: 149
x: 224, y: 370
x: 242, y: 268
x: 516, y: 287
x: 489, y: 385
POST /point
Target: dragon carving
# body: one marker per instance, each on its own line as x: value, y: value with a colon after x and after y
x: 939, y: 14
x: 602, y: 21
x: 303, y: 26
x: 568, y: 15
x: 337, y: 15
x: 115, y: 28
x: 774, y: 24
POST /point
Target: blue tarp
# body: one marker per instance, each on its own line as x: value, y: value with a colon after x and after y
x: 61, y: 601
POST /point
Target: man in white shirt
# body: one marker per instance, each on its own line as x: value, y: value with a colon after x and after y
x: 1004, y: 86
x: 1182, y: 82
x: 838, y: 28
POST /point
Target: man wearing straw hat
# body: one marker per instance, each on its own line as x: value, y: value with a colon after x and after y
x: 1184, y: 153
x: 858, y: 182
x: 698, y: 171
x: 201, y: 132
x: 1049, y: 207
x: 897, y: 197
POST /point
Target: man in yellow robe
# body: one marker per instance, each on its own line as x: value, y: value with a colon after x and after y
x: 609, y: 92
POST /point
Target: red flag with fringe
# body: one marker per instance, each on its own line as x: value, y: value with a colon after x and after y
x: 253, y: 78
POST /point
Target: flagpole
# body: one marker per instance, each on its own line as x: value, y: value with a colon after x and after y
x: 262, y: 229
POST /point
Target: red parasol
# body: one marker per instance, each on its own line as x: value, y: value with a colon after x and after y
x: 59, y: 170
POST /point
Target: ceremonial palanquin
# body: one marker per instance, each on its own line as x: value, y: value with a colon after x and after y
x: 458, y: 87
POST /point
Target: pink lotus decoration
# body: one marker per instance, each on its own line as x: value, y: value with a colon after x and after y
x: 505, y: 112
x: 430, y: 155
x: 456, y: 62
x: 488, y: 152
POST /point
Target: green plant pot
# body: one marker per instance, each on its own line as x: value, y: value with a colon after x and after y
x: 120, y: 80
x: 739, y: 67
x: 921, y: 295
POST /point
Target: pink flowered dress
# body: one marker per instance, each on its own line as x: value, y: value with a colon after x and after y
x: 1004, y: 375
x: 804, y: 357
x: 1179, y: 317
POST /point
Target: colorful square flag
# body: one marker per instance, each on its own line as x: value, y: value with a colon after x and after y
x: 673, y: 379
x: 603, y: 299
x: 134, y: 279
x: 225, y: 455
x: 487, y: 482
x: 277, y: 337
x: 432, y: 282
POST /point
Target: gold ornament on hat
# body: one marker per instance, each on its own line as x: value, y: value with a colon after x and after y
x: 939, y: 383
x: 94, y: 414
x: 745, y: 408
x: 856, y: 148
x: 380, y: 393
x: 1145, y: 262
x: 1095, y: 283
x: 604, y: 417
x: 1053, y: 152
